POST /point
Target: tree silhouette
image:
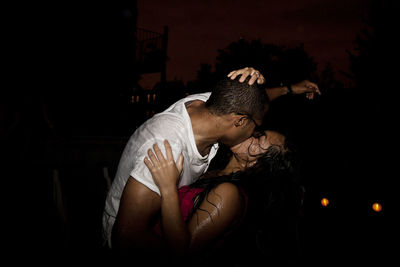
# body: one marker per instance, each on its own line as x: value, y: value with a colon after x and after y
x: 377, y: 51
x: 374, y: 71
x: 373, y: 68
x: 279, y: 64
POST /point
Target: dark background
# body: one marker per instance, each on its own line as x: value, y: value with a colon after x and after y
x: 75, y: 95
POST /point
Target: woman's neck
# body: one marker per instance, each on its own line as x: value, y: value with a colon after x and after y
x: 234, y: 165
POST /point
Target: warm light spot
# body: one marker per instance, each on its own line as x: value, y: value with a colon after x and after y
x: 324, y: 202
x: 377, y: 207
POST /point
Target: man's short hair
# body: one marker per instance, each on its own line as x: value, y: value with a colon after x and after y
x: 231, y: 96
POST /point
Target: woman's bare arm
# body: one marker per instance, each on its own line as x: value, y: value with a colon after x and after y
x: 215, y: 215
x: 209, y: 222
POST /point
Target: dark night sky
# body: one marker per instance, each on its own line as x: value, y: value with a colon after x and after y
x: 198, y: 28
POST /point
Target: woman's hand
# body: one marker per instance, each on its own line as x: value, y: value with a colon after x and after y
x: 165, y: 171
x: 306, y: 87
x: 255, y: 75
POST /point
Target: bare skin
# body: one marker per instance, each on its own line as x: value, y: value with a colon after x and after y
x: 204, y: 227
x: 304, y: 87
x: 139, y: 206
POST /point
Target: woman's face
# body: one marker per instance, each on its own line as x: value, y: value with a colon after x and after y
x: 250, y: 149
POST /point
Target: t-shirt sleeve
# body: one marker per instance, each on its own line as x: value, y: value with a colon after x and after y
x: 140, y: 171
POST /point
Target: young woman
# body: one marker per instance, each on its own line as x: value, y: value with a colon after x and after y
x: 200, y: 216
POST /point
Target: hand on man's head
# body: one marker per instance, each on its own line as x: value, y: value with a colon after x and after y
x: 245, y: 72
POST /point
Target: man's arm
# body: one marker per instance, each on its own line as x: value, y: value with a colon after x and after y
x: 137, y: 214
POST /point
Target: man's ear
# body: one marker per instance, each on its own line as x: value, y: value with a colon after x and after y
x: 239, y: 120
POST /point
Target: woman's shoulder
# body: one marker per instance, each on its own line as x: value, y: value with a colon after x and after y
x: 227, y: 193
x: 227, y: 188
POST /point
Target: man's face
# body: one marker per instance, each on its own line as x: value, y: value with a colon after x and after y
x: 240, y: 133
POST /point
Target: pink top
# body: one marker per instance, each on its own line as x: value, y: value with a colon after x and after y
x: 185, y: 196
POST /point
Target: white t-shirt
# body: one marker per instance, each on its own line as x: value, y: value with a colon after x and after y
x: 172, y: 124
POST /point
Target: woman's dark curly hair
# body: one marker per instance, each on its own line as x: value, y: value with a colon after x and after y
x: 266, y: 183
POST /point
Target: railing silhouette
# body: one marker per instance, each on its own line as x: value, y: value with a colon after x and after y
x: 151, y: 50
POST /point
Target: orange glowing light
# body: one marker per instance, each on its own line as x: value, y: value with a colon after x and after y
x: 377, y: 207
x: 324, y: 202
